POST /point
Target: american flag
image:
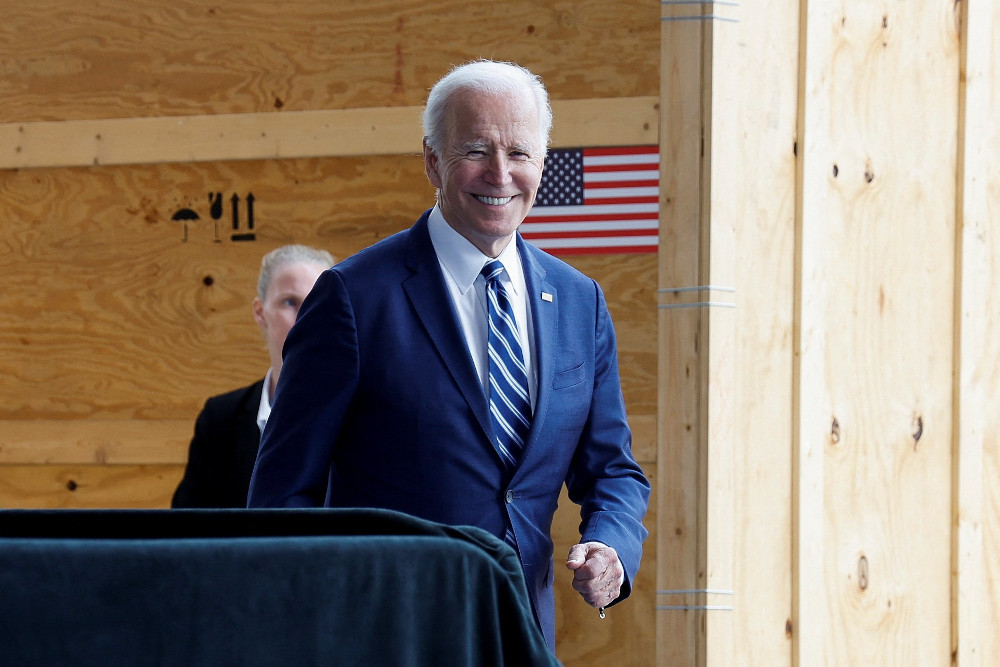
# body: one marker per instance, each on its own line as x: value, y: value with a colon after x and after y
x: 597, y: 200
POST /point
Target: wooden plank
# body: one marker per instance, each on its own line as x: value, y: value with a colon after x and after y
x: 211, y: 137
x: 875, y: 390
x: 976, y: 495
x: 679, y: 639
x: 717, y: 340
x: 696, y: 338
x: 763, y: 206
x: 86, y: 59
x: 810, y: 411
x: 272, y: 135
x: 88, y: 486
x: 107, y: 442
x: 160, y: 441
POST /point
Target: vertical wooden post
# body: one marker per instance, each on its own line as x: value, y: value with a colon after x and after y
x: 695, y: 594
x: 975, y: 598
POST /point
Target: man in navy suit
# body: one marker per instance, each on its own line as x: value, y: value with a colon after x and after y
x: 385, y: 397
x: 228, y: 429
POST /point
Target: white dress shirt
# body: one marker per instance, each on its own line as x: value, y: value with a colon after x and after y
x: 461, y: 263
x: 264, y: 409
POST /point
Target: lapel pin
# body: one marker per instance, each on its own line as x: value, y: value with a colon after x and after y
x: 546, y: 296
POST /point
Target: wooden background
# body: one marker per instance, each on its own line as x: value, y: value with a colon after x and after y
x: 828, y: 408
x: 117, y: 321
x: 810, y: 362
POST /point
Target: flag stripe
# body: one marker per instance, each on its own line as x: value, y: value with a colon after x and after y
x: 599, y: 162
x: 622, y: 200
x: 593, y: 233
x: 535, y: 229
x: 604, y: 185
x: 604, y: 250
x: 583, y: 217
x: 568, y: 222
x: 652, y: 193
x: 623, y: 150
x: 609, y: 210
x: 597, y: 241
x: 590, y: 177
x: 609, y: 168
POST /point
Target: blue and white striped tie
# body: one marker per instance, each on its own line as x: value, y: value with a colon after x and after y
x: 510, y: 408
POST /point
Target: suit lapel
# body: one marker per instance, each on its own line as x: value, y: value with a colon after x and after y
x: 428, y: 294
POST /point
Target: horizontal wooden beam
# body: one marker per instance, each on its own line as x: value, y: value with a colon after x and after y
x: 88, y: 486
x: 158, y: 441
x: 299, y: 134
x: 85, y: 441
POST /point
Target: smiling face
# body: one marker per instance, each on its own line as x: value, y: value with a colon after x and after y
x: 488, y: 167
x: 276, y: 313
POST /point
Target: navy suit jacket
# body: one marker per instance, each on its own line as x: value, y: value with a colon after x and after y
x: 222, y: 451
x: 379, y: 405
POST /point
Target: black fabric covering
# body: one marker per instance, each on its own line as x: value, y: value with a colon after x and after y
x: 258, y: 587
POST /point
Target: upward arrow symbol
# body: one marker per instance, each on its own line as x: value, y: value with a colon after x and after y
x: 236, y: 210
x: 250, y: 200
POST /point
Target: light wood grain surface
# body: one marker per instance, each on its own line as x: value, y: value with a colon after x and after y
x: 876, y: 320
x: 84, y: 60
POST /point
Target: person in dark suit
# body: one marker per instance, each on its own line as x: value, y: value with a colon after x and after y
x: 393, y: 396
x: 227, y: 431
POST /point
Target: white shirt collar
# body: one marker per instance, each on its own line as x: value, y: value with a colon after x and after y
x: 463, y: 261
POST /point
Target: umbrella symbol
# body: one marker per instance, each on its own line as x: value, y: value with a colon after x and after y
x: 185, y: 214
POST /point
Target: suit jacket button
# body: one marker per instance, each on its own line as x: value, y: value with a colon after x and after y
x: 510, y: 496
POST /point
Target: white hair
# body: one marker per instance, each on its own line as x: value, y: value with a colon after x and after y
x: 485, y: 76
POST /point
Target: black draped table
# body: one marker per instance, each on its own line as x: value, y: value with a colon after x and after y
x: 258, y: 587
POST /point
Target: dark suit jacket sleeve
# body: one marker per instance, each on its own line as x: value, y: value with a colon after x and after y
x: 321, y: 355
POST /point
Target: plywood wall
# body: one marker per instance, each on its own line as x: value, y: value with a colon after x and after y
x: 841, y: 181
x: 809, y: 362
x: 117, y: 320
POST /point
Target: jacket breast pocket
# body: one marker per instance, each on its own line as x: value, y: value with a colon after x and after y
x: 570, y: 378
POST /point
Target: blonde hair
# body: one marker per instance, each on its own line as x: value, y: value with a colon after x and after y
x: 289, y: 254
